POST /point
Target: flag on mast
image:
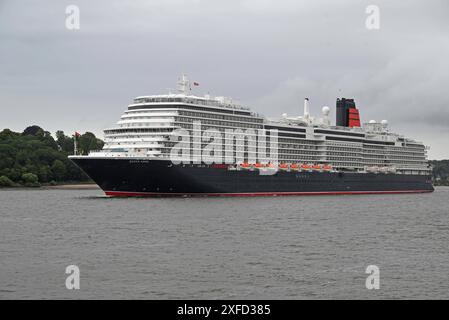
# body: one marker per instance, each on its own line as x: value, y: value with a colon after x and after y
x: 195, y: 84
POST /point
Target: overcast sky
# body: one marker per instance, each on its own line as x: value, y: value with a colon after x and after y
x: 267, y: 54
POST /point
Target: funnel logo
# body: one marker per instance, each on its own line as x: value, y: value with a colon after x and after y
x: 242, y: 149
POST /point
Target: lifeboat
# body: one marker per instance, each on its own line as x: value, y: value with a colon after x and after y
x: 305, y: 167
x: 327, y: 167
x: 283, y: 166
x: 270, y: 165
x: 259, y: 165
x: 294, y: 166
x: 245, y: 165
x: 316, y: 167
x: 374, y: 169
x: 384, y: 169
x: 392, y: 169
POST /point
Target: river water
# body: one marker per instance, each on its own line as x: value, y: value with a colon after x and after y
x: 313, y: 247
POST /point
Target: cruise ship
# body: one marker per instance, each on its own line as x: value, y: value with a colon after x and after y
x: 182, y: 144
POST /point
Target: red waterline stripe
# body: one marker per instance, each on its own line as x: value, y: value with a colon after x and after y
x: 256, y: 194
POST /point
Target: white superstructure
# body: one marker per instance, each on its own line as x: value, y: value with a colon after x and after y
x: 145, y: 128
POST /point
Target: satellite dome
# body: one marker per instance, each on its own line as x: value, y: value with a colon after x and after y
x: 326, y: 110
x: 384, y: 122
x: 372, y: 121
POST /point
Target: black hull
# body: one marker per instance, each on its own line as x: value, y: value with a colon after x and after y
x: 125, y: 177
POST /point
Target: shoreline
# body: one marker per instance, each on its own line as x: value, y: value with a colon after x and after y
x: 66, y: 186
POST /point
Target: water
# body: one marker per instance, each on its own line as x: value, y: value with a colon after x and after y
x: 230, y: 248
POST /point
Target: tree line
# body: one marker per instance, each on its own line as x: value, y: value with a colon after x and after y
x: 440, y: 172
x: 33, y: 157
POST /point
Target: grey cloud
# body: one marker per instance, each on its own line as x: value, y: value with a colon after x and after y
x: 267, y: 54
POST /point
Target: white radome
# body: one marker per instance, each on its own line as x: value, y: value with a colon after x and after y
x: 326, y: 110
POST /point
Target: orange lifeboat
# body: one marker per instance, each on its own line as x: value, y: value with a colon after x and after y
x: 270, y: 165
x: 316, y: 167
x: 327, y: 167
x: 245, y: 165
x: 259, y: 165
x: 305, y: 167
x: 294, y: 166
x: 283, y: 166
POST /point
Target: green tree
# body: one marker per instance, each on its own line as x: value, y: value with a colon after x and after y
x: 8, y: 134
x: 6, y: 155
x: 36, y: 152
x: 64, y: 142
x: 33, y: 131
x: 30, y: 179
x: 11, y: 173
x: 440, y: 171
x: 88, y: 142
x: 59, y: 170
x: 5, y: 182
x: 49, y: 141
x: 45, y: 174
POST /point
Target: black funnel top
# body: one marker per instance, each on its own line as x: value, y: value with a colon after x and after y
x: 343, y: 106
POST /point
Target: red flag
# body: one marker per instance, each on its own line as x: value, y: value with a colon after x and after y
x: 77, y: 134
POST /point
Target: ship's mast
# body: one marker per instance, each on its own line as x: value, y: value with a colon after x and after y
x: 306, y: 109
x: 183, y: 84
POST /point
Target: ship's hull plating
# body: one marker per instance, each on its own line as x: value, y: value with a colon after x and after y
x: 126, y: 177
